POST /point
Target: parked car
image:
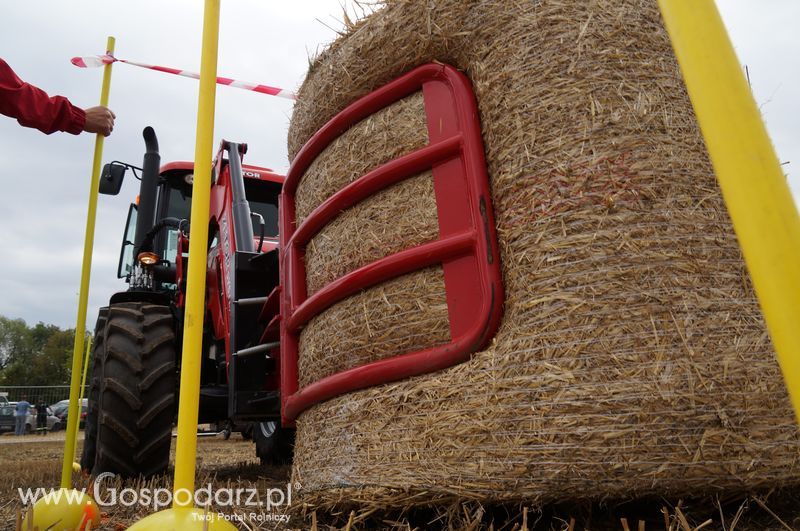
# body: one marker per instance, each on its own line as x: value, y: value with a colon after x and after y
x: 60, y: 410
x: 7, y: 422
x: 30, y: 421
x: 59, y: 407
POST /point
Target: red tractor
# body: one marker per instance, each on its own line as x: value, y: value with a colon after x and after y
x: 134, y: 386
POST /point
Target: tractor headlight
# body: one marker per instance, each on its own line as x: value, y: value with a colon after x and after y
x: 148, y: 258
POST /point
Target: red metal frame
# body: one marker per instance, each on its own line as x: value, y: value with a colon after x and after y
x: 466, y: 248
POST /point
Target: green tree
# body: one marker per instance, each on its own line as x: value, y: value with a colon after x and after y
x: 51, y: 366
x: 38, y: 355
x: 40, y: 335
x: 14, y: 341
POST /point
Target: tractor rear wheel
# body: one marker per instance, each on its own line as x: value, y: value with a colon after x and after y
x: 137, y: 393
x: 274, y: 443
x: 90, y: 432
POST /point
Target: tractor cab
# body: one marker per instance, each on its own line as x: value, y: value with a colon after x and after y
x: 261, y: 186
x: 173, y: 202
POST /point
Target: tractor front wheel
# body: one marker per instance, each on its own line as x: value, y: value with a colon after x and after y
x: 90, y: 433
x: 136, y: 397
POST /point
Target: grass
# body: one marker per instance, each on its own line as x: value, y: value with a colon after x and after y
x: 33, y: 462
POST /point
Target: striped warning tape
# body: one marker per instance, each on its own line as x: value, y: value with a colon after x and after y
x: 93, y: 61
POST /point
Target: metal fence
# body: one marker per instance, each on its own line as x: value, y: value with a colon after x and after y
x: 49, y: 394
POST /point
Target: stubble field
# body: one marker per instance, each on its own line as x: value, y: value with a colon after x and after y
x: 249, y: 495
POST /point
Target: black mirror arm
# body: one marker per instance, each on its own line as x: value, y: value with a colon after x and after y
x: 131, y: 167
x: 261, y: 225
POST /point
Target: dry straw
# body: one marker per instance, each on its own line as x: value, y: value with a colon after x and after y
x: 632, y: 358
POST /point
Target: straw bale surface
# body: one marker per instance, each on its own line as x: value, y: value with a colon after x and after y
x: 390, y: 221
x: 405, y: 314
x: 632, y: 358
x: 390, y: 133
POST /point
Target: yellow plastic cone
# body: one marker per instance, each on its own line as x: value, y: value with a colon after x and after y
x: 63, y: 510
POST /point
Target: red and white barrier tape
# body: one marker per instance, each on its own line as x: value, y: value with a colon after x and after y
x: 93, y: 61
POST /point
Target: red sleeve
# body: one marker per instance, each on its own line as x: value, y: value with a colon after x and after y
x: 32, y: 107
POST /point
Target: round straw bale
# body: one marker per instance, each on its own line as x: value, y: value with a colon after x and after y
x: 632, y: 357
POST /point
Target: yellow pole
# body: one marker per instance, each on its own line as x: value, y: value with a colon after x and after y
x: 83, y: 381
x: 83, y: 298
x: 753, y: 185
x: 186, y: 444
x: 85, y: 367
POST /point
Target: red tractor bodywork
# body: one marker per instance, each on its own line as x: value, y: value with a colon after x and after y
x: 219, y: 279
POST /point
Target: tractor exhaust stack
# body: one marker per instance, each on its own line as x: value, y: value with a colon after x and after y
x: 149, y: 186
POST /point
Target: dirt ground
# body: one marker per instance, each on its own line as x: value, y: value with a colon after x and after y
x: 34, y: 461
x: 10, y: 438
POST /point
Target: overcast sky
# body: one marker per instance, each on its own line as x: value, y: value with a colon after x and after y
x: 44, y: 180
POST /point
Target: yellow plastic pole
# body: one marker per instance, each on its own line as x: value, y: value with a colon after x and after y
x: 753, y: 185
x: 83, y: 297
x: 83, y: 382
x: 183, y: 515
x: 85, y: 367
x: 186, y: 444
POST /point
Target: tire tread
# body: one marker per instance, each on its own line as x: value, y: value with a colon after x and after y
x: 137, y: 394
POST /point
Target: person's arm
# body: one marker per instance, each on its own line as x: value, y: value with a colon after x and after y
x: 32, y: 107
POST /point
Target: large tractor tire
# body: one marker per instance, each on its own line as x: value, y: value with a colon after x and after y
x: 274, y: 444
x: 90, y: 432
x: 137, y: 393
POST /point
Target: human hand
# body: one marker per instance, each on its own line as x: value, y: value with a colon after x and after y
x: 99, y: 120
